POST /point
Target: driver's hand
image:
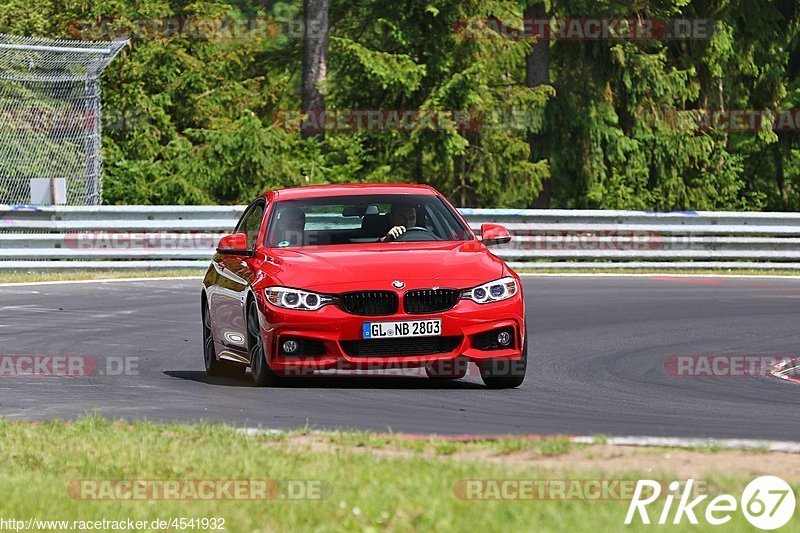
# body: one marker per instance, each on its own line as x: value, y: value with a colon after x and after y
x: 394, y: 233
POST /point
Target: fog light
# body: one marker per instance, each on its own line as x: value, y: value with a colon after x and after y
x: 290, y: 346
x: 504, y: 338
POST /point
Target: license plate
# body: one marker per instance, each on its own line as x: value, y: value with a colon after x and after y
x: 407, y: 328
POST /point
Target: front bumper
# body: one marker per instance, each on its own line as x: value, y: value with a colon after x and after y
x: 331, y: 326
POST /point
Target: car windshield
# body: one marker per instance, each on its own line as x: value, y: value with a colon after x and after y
x: 363, y: 219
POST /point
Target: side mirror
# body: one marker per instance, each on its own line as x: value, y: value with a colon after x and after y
x: 494, y: 234
x: 234, y: 244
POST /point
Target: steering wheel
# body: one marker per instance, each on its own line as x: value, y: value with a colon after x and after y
x: 419, y: 234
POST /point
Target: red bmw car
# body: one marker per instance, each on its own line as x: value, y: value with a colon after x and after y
x: 361, y: 277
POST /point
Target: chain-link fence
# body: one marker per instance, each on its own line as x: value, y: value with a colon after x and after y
x: 50, y: 112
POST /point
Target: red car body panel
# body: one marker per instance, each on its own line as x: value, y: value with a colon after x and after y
x: 340, y: 268
x: 232, y: 280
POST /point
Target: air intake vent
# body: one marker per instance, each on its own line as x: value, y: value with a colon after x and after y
x: 369, y: 303
x: 400, y: 347
x: 423, y: 301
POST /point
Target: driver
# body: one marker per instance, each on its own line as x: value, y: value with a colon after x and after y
x: 291, y: 224
x: 401, y: 217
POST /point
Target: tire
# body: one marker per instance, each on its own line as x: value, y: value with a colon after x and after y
x: 447, y: 370
x: 262, y: 374
x: 215, y: 367
x: 504, y: 374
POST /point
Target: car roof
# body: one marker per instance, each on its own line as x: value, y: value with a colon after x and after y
x: 351, y: 189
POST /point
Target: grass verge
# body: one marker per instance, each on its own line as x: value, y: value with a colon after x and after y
x: 370, y: 482
x: 68, y: 275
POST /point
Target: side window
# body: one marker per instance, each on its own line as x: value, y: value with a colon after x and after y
x: 250, y: 223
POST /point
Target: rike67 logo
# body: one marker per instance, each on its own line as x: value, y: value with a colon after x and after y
x: 767, y: 502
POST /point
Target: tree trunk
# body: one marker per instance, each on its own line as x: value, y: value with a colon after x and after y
x: 463, y: 172
x: 780, y: 178
x: 537, y: 72
x: 315, y: 57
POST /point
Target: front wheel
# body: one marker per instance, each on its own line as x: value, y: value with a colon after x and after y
x: 262, y: 374
x: 505, y: 374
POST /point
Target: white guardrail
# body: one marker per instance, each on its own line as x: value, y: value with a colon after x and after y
x: 176, y: 237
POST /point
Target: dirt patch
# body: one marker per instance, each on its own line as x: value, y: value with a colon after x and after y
x: 598, y: 458
x: 676, y: 462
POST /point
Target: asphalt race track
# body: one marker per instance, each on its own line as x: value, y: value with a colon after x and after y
x: 598, y: 352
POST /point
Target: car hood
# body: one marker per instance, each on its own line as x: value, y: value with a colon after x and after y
x: 342, y: 268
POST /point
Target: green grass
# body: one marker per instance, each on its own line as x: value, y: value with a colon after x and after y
x: 361, y: 439
x: 372, y: 482
x: 26, y: 277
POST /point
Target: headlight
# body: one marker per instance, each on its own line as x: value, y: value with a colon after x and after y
x: 296, y: 299
x: 494, y: 291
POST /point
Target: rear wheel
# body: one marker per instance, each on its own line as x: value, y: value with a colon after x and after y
x: 505, y: 374
x: 215, y: 367
x: 262, y: 374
